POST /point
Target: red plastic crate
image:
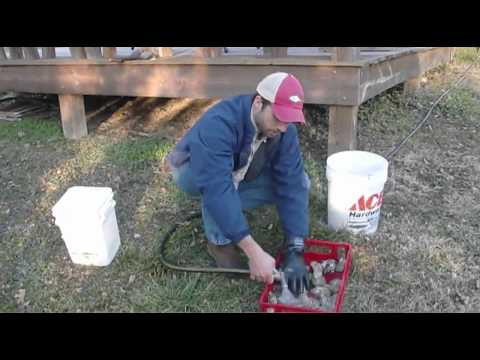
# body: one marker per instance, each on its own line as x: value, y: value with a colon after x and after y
x: 326, y: 250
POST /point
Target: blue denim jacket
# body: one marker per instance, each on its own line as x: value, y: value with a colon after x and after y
x: 218, y: 144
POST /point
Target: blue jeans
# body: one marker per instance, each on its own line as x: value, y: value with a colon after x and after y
x: 253, y: 194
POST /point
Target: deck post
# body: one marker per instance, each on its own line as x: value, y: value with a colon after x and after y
x: 342, y: 120
x: 411, y: 85
x: 74, y: 121
x: 72, y: 107
x: 342, y: 128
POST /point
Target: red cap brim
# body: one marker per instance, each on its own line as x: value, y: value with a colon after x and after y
x: 287, y: 114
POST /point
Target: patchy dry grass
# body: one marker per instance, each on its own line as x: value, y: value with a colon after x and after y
x: 424, y: 257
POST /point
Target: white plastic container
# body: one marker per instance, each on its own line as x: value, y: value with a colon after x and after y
x: 355, y: 190
x: 86, y: 217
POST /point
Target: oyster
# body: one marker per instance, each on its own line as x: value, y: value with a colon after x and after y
x: 340, y: 265
x: 272, y: 298
x: 329, y: 266
x: 334, y: 285
x: 318, y: 279
x: 320, y: 291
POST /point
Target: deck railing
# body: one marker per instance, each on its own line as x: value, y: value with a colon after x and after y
x: 337, y: 54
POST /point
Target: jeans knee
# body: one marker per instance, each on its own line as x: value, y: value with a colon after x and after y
x: 183, y: 179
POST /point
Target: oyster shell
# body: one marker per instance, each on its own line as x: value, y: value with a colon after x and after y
x: 334, y: 285
x: 340, y: 265
x: 329, y: 266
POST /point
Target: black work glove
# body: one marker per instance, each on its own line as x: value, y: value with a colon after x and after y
x: 296, y: 272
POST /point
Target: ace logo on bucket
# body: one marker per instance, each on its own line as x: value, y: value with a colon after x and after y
x: 365, y: 211
x: 355, y: 190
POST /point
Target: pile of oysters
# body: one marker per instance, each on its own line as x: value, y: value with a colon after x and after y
x: 322, y: 294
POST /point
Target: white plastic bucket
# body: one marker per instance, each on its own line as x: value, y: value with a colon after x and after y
x: 355, y: 190
x: 88, y: 223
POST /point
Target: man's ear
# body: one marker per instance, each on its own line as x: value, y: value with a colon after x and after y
x: 257, y: 102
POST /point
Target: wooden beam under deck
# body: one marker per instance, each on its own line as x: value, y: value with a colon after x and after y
x: 322, y: 84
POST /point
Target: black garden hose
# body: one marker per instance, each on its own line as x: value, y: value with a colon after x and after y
x: 161, y: 249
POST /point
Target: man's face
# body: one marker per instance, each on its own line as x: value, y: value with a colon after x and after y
x: 266, y: 121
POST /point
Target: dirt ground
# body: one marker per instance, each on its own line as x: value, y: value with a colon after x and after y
x: 423, y: 258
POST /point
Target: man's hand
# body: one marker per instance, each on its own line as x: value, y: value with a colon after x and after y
x: 260, y: 262
x: 296, y: 272
x: 261, y: 267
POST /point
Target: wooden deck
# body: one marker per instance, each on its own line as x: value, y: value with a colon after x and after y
x: 342, y: 78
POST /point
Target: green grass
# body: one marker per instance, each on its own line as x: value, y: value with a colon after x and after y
x: 134, y: 153
x: 189, y: 292
x: 314, y: 169
x: 30, y: 130
x: 460, y: 103
x: 378, y: 113
x: 466, y: 54
x: 7, y: 307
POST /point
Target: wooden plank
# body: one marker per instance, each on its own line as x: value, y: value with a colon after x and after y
x: 322, y: 84
x: 15, y: 52
x: 93, y: 52
x: 72, y: 110
x: 275, y: 51
x: 3, y: 55
x: 209, y: 52
x: 378, y: 77
x: 109, y: 52
x: 48, y: 53
x: 372, y: 55
x: 195, y: 60
x: 382, y: 49
x: 342, y: 131
x: 397, y: 54
x: 348, y: 54
x: 326, y: 49
x: 78, y: 52
x: 30, y: 53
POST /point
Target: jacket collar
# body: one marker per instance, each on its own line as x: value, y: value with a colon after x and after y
x: 249, y: 128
